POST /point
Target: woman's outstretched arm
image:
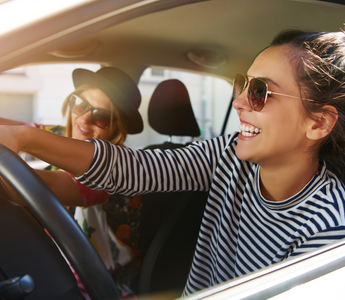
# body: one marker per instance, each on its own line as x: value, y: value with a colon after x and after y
x: 74, y: 156
x: 131, y: 172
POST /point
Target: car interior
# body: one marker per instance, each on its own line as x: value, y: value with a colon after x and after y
x: 217, y: 38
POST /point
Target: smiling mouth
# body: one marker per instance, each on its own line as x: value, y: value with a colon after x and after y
x: 249, y: 130
x: 83, y: 130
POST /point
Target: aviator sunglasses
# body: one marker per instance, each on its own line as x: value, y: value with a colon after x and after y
x: 100, y: 117
x: 257, y: 91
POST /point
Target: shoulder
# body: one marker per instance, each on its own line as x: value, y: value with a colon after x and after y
x: 328, y: 200
x: 220, y: 143
x: 331, y: 186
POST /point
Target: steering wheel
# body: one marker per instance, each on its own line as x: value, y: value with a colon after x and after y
x: 53, y: 216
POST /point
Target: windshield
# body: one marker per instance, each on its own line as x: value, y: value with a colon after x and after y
x: 27, y: 12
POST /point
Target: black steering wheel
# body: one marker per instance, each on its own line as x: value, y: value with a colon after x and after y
x: 52, y: 215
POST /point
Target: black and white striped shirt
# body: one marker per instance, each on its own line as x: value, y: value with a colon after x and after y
x: 241, y: 231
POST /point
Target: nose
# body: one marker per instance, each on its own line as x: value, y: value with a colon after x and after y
x: 86, y: 118
x: 241, y: 102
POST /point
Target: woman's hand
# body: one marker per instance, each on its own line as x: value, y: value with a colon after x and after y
x: 72, y: 155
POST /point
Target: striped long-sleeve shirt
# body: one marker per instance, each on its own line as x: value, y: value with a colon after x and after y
x: 241, y: 231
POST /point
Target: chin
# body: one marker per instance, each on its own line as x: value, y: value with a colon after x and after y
x: 243, y: 153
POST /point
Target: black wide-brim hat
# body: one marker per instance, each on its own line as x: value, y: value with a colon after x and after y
x: 121, y: 89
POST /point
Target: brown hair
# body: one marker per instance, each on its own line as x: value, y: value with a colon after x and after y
x: 319, y: 64
x: 120, y: 133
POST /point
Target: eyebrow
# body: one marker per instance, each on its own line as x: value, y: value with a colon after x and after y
x: 90, y: 104
x: 265, y: 79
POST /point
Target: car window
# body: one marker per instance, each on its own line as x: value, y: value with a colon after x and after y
x: 36, y: 93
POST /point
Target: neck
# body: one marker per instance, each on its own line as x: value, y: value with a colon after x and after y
x: 281, y: 183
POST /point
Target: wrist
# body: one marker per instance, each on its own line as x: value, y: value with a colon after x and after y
x: 24, y: 137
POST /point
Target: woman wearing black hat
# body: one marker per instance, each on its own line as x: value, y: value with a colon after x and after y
x: 122, y: 97
x: 103, y: 106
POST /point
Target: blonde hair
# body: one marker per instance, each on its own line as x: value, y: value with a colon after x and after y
x: 120, y: 132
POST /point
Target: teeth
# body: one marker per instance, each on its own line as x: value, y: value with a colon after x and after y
x: 247, y: 133
x: 82, y: 129
x: 249, y: 130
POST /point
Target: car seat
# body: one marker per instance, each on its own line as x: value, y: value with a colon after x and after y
x: 170, y: 113
x: 170, y: 221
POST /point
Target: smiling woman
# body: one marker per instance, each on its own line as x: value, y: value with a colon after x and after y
x: 285, y: 134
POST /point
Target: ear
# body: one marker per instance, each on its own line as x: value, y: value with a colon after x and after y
x: 324, y: 123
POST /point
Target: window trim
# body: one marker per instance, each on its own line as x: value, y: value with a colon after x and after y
x: 280, y: 277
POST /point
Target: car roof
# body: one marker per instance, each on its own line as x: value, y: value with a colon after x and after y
x: 222, y: 36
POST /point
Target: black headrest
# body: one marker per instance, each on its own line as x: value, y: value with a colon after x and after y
x: 170, y: 111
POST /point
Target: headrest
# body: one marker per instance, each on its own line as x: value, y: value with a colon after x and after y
x: 170, y: 111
